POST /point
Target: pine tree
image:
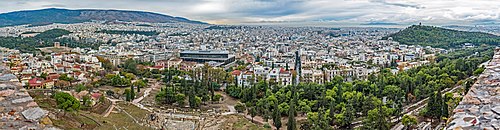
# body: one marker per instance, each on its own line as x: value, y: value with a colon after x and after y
x: 434, y: 106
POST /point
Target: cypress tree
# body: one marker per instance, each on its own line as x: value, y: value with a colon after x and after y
x: 291, y: 112
x: 332, y: 112
x: 276, y: 116
x: 132, y: 93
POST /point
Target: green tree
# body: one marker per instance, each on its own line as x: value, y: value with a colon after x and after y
x: 195, y: 102
x: 132, y: 93
x: 139, y: 84
x: 80, y: 87
x: 409, y: 121
x: 435, y: 106
x: 179, y: 99
x: 240, y: 107
x: 130, y: 65
x: 128, y: 95
x: 217, y: 97
x: 378, y: 118
x: 346, y: 116
x: 44, y: 75
x: 66, y: 102
x: 276, y: 117
x: 291, y: 125
x: 331, y: 113
x: 253, y: 112
x: 86, y: 101
x: 478, y: 71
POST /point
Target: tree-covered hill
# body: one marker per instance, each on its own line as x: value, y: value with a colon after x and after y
x: 441, y: 37
x: 53, y: 33
x: 44, y: 39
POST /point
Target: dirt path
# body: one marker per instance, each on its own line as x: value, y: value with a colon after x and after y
x: 147, y: 92
x: 111, y: 107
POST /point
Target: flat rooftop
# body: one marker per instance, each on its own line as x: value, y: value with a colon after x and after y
x: 206, y: 52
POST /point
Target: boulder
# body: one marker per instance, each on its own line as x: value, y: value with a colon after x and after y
x: 34, y: 114
x: 22, y: 100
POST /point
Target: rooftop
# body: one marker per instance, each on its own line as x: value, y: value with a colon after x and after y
x: 206, y: 51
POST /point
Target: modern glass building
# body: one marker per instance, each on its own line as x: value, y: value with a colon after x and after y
x: 203, y: 56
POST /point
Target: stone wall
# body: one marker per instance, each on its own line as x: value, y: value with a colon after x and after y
x: 480, y: 107
x: 18, y: 110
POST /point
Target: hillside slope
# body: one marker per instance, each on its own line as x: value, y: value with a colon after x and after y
x: 441, y: 37
x: 53, y: 15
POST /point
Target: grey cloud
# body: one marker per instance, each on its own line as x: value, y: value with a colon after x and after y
x: 237, y: 11
x: 54, y: 5
x: 398, y: 4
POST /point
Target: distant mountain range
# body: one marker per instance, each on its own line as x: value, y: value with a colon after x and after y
x: 379, y: 23
x: 54, y: 15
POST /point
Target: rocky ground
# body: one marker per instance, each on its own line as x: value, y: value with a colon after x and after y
x: 480, y: 108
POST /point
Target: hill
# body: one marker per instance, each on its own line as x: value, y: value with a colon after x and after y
x: 53, y: 15
x: 441, y: 37
x: 44, y: 39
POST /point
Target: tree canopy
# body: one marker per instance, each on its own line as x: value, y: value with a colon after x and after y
x: 66, y: 102
x: 441, y: 37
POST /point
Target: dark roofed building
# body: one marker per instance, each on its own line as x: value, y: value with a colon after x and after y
x: 203, y: 56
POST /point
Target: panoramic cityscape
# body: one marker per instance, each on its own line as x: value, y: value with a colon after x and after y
x: 250, y: 65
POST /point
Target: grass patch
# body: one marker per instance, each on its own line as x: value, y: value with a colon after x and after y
x: 122, y: 120
x: 236, y: 122
x: 73, y: 121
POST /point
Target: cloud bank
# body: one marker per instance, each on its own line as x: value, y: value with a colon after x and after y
x: 248, y: 11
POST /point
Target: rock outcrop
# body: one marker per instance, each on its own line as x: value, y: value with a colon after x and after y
x: 17, y: 108
x: 480, y: 108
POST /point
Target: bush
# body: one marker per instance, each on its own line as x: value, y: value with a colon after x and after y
x: 478, y: 71
x: 267, y: 125
x: 217, y: 98
x: 80, y: 88
x: 422, y: 112
x: 240, y: 107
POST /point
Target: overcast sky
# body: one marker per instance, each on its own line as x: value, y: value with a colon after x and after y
x: 244, y: 11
